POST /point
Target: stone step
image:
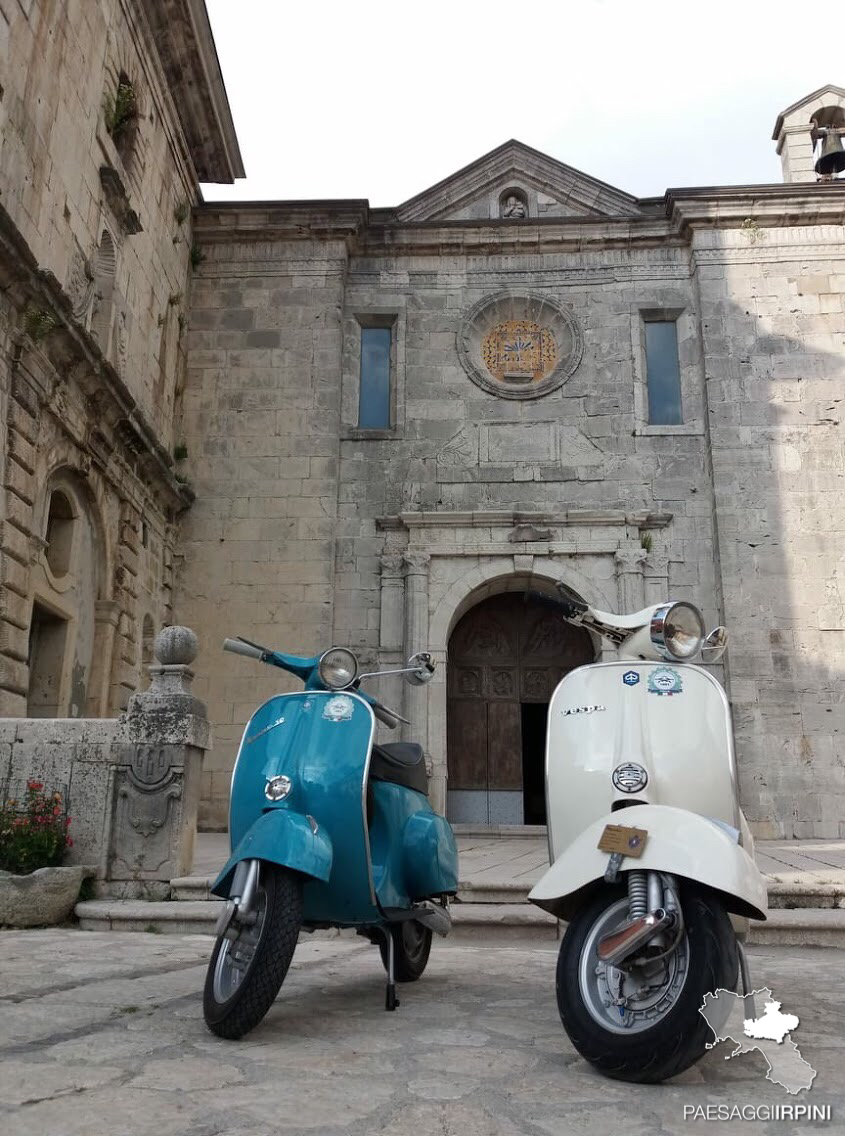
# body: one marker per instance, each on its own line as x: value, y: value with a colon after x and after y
x: 782, y: 895
x: 804, y: 927
x: 480, y: 922
x: 511, y: 831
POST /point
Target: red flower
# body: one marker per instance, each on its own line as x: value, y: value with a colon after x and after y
x: 69, y: 843
x: 34, y: 786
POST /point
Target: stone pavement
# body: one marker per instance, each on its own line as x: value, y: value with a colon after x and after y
x: 102, y: 1035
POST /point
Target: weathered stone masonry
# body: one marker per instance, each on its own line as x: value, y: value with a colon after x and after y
x: 308, y: 531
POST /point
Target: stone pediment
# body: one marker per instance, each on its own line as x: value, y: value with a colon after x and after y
x: 515, y: 182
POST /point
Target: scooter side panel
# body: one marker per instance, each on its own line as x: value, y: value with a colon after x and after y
x: 414, y: 851
x: 671, y: 719
x: 321, y: 741
x: 680, y: 842
x: 430, y: 856
x: 282, y: 837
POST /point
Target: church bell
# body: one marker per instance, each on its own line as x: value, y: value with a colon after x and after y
x: 832, y: 158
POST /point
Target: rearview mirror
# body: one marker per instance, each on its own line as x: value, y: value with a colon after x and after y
x: 714, y: 645
x: 421, y: 669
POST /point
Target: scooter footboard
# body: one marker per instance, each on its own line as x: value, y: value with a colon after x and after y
x: 682, y: 843
x: 283, y: 837
x: 430, y: 855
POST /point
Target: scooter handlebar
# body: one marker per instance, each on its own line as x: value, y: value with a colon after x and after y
x: 240, y: 647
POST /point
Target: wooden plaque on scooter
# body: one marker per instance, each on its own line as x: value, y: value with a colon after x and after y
x: 626, y: 841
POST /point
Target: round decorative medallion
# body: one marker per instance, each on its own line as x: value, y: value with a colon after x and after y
x: 519, y: 344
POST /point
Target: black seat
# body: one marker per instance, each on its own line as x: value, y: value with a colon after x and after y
x: 401, y: 763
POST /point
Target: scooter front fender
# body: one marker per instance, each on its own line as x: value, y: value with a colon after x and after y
x: 680, y: 842
x: 283, y: 837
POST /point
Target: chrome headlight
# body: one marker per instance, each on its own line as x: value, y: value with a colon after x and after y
x: 337, y: 668
x: 677, y: 630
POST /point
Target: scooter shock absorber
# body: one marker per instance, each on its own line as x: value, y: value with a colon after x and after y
x: 637, y: 894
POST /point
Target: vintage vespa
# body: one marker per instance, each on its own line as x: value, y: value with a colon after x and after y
x: 651, y: 858
x: 327, y: 829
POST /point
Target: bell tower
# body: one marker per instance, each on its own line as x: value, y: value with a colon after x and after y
x: 809, y: 136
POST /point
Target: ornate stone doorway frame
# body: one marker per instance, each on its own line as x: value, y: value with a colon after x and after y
x: 435, y: 566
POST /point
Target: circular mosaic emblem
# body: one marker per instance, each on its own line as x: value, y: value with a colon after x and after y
x: 519, y: 344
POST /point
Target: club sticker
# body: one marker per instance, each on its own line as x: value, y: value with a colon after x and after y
x: 665, y: 680
x: 630, y: 678
x: 339, y: 709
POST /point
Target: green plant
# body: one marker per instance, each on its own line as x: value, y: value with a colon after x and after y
x: 646, y: 541
x: 174, y: 298
x: 120, y: 110
x: 180, y: 452
x: 197, y: 255
x: 151, y: 929
x: 180, y: 212
x: 38, y: 323
x: 33, y: 830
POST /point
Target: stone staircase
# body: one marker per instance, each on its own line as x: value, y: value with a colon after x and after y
x: 498, y: 869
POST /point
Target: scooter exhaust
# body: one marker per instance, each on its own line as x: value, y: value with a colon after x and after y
x: 619, y: 944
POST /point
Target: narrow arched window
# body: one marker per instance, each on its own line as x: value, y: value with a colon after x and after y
x: 148, y: 635
x: 59, y: 535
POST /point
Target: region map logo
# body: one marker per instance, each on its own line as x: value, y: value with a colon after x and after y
x: 733, y: 1018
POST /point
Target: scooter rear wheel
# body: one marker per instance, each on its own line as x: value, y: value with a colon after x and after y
x: 245, y: 973
x: 411, y: 948
x: 659, y: 1032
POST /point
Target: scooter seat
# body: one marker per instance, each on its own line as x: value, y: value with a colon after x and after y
x: 401, y: 763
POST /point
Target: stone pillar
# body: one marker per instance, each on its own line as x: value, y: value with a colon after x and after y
x: 416, y: 639
x: 106, y: 618
x: 656, y: 579
x: 391, y: 625
x: 164, y: 734
x: 629, y: 574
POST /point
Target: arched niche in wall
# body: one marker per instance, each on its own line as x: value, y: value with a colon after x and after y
x: 513, y: 204
x: 66, y: 643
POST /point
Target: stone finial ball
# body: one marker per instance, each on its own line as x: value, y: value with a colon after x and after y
x: 175, y: 646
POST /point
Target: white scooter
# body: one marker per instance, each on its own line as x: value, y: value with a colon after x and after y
x: 651, y: 858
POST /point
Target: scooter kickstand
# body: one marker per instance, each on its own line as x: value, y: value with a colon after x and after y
x: 391, y: 1002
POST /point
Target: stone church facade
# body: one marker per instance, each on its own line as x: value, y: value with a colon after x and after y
x: 316, y: 422
x: 495, y: 471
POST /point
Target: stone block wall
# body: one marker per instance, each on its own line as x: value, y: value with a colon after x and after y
x: 774, y: 345
x: 261, y: 423
x: 61, y: 62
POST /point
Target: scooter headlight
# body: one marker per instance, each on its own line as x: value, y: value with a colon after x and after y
x: 677, y: 630
x: 337, y: 668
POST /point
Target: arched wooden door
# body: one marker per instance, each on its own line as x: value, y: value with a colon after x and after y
x: 506, y: 655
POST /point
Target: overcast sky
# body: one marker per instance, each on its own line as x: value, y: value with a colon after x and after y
x: 382, y: 99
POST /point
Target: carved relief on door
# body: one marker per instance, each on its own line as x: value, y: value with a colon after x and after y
x: 506, y: 655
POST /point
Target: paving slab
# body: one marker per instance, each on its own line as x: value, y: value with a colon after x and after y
x: 476, y: 1048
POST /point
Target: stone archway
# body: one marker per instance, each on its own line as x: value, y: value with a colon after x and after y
x: 506, y: 655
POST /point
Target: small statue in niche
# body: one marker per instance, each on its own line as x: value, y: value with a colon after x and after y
x: 514, y: 208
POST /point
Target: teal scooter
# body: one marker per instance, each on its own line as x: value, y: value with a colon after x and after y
x: 327, y: 829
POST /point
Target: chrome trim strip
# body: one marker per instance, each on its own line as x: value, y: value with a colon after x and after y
x: 364, y: 783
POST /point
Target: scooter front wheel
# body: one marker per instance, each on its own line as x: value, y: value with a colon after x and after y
x: 411, y: 948
x: 249, y: 962
x: 641, y: 1022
